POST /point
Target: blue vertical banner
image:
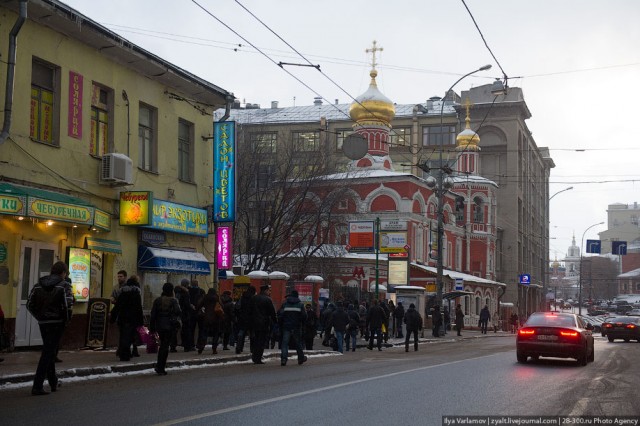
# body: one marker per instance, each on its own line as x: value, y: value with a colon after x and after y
x: 224, y: 171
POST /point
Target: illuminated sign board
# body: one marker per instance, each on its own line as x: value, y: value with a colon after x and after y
x: 179, y: 218
x: 398, y: 272
x: 79, y: 261
x: 135, y: 208
x: 224, y: 170
x: 63, y: 212
x: 13, y: 204
x: 225, y: 247
x: 102, y: 220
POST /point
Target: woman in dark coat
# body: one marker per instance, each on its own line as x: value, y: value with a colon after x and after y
x: 213, y: 319
x: 459, y: 319
x: 164, y: 320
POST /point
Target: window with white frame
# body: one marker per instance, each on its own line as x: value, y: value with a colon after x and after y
x: 437, y: 136
x: 306, y: 141
x: 264, y: 142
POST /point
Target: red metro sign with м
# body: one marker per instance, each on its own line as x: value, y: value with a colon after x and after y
x: 525, y: 279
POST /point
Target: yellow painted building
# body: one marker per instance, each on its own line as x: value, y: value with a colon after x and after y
x: 89, y: 120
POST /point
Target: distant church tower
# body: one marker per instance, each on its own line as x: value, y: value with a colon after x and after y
x: 572, y: 261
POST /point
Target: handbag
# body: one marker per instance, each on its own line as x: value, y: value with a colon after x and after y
x: 152, y: 343
x: 143, y: 333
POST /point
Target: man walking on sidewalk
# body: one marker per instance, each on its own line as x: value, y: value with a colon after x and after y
x: 293, y: 317
x: 48, y: 304
x: 375, y: 318
x: 264, y: 316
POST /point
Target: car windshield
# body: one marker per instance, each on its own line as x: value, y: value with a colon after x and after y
x: 551, y: 320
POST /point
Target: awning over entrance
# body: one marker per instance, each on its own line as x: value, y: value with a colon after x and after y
x: 172, y: 261
x: 454, y: 294
x: 102, y: 244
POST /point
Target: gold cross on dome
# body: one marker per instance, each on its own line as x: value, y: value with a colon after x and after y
x: 467, y: 104
x: 373, y: 51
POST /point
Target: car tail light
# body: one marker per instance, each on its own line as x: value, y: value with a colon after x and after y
x: 608, y: 325
x: 632, y: 326
x: 526, y: 332
x: 569, y: 333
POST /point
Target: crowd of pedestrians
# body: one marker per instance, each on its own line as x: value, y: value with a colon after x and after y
x: 198, y: 317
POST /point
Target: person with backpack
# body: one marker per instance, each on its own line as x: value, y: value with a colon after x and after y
x: 352, y: 328
x: 48, y: 304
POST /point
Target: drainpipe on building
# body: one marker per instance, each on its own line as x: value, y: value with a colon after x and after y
x: 11, y: 68
x: 227, y: 108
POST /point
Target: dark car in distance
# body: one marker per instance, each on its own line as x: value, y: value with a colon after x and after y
x: 557, y: 335
x: 622, y: 327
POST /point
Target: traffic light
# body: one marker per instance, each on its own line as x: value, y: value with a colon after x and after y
x: 459, y: 203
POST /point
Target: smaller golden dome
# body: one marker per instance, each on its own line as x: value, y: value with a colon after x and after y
x: 372, y: 107
x: 467, y: 140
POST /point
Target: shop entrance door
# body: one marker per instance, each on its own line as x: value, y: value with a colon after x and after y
x: 36, y: 260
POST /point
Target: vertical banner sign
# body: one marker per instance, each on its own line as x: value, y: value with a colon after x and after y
x: 75, y: 105
x: 223, y: 240
x: 79, y: 261
x: 224, y: 169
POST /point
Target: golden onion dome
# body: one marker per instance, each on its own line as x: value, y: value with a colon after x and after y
x: 467, y: 140
x: 372, y: 107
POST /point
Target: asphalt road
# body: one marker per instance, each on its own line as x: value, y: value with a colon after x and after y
x: 471, y: 377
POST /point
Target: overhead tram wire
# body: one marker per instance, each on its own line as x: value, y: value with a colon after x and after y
x: 316, y: 67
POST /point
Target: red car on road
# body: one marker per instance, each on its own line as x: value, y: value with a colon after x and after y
x: 555, y: 334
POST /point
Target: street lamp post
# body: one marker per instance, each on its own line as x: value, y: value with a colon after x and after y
x: 546, y: 274
x: 442, y: 184
x: 580, y: 280
x: 562, y: 190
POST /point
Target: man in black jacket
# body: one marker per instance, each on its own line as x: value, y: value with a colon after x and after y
x: 414, y: 324
x: 375, y: 318
x: 293, y: 317
x: 48, y: 304
x: 128, y: 314
x: 264, y: 316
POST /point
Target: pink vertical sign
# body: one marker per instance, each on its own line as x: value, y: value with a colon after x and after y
x: 223, y: 239
x: 75, y: 105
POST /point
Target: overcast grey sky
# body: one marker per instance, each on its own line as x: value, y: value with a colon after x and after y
x: 577, y: 61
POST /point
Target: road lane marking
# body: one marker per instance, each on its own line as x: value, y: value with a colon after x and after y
x: 309, y: 392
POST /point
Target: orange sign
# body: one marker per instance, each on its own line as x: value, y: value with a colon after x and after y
x: 361, y: 238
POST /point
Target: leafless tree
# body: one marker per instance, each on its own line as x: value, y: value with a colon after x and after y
x: 285, y: 203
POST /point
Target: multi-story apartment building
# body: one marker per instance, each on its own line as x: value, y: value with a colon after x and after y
x: 623, y: 224
x: 105, y: 163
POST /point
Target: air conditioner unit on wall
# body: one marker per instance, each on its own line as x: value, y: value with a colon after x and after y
x: 116, y: 169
